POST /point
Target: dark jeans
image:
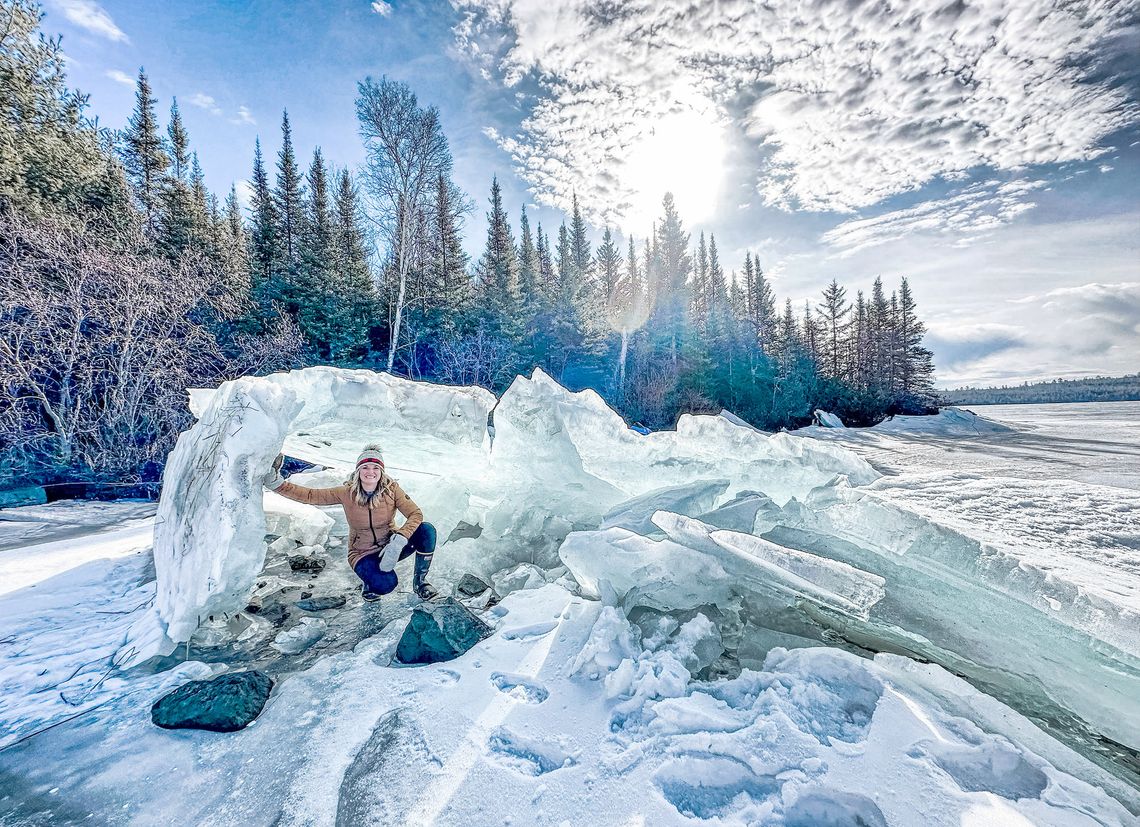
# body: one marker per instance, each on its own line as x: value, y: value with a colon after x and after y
x: 421, y: 543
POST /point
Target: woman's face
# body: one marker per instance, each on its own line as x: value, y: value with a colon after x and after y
x: 370, y: 474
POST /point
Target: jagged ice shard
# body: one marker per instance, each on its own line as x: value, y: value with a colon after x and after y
x: 712, y: 513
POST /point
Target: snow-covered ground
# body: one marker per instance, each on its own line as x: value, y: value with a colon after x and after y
x: 711, y: 625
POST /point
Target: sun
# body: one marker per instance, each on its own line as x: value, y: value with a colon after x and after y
x: 682, y: 153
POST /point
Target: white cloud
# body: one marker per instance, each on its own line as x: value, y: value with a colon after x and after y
x: 963, y: 216
x: 89, y: 15
x: 120, y: 77
x: 244, y: 116
x: 850, y: 103
x: 204, y: 101
x: 381, y: 8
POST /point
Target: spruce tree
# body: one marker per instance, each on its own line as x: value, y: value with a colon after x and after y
x: 528, y: 267
x: 288, y: 199
x: 673, y: 264
x: 448, y: 260
x: 179, y: 144
x: 607, y: 263
x: 144, y: 156
x: 234, y: 252
x: 547, y: 274
x: 176, y: 220
x: 352, y: 277
x: 263, y: 239
x: 52, y: 158
x: 497, y: 271
x: 834, y: 311
x: 916, y: 366
x: 319, y: 304
x: 580, y: 256
x: 700, y: 291
x: 879, y: 324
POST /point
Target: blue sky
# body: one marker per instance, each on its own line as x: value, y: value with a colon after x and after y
x: 989, y: 151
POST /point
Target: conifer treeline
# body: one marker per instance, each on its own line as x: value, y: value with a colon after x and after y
x: 330, y: 267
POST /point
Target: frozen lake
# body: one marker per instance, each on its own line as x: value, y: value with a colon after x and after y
x: 800, y: 665
x: 1095, y: 442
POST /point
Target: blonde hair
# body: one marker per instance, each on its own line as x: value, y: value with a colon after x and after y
x: 356, y: 488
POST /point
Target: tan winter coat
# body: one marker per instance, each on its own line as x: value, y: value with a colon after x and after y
x: 368, y: 529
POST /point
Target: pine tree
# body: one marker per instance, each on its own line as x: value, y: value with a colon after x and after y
x: 916, y: 366
x: 700, y: 291
x: 673, y: 265
x: 607, y: 263
x: 834, y: 311
x: 497, y: 272
x: 144, y: 156
x: 580, y: 256
x: 316, y: 296
x: 179, y: 143
x: 263, y: 237
x: 52, y: 158
x: 288, y: 200
x: 448, y: 260
x: 528, y: 267
x: 352, y: 277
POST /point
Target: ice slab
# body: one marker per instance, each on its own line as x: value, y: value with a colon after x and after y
x: 592, y: 437
x: 636, y: 514
x: 817, y: 578
x: 208, y: 541
x: 698, y: 566
x: 1036, y: 640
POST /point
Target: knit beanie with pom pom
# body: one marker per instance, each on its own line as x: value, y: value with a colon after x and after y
x: 371, y: 453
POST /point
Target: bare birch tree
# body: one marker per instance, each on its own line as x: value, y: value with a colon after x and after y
x: 406, y: 153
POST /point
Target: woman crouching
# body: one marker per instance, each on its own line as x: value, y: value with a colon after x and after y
x: 370, y: 499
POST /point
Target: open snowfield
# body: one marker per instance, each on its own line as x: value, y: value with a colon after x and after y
x: 934, y: 622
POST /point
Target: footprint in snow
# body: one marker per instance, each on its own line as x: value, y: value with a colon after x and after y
x: 823, y: 807
x: 528, y: 756
x: 446, y: 677
x: 519, y: 687
x: 713, y: 787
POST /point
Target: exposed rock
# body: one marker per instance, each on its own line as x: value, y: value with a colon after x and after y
x: 300, y: 563
x: 224, y: 704
x: 320, y: 604
x: 306, y: 595
x: 275, y: 614
x: 471, y: 586
x: 440, y: 631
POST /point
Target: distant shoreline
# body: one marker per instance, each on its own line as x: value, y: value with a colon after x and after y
x: 1037, y: 402
x: 1091, y: 389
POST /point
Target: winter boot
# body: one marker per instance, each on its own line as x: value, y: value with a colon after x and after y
x: 423, y: 589
x: 369, y: 596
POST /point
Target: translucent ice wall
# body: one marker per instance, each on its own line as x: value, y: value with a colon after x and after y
x: 208, y: 543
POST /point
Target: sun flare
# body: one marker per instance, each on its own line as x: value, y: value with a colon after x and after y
x: 682, y: 153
